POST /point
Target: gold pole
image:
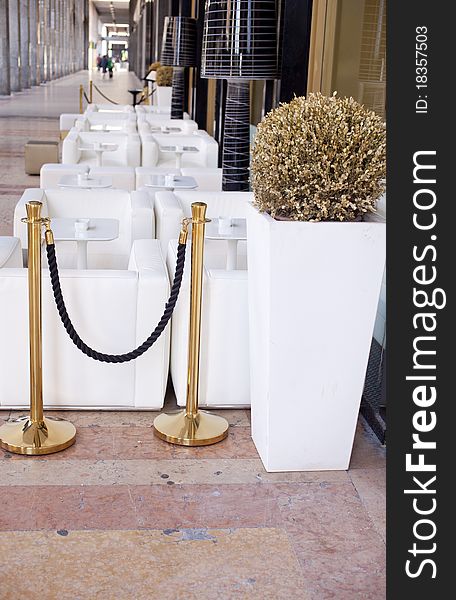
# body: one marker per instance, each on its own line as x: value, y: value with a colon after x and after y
x: 91, y: 91
x: 36, y: 434
x: 192, y: 427
x: 81, y: 99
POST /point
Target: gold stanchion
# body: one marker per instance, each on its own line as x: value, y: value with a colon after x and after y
x: 36, y: 434
x: 90, y: 91
x: 81, y: 99
x: 192, y: 427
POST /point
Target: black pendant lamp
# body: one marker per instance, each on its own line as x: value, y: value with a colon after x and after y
x: 239, y: 44
x: 178, y: 51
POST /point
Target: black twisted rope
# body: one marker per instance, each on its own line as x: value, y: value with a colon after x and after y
x: 114, y: 358
x: 144, y: 98
x: 86, y: 98
x: 105, y: 97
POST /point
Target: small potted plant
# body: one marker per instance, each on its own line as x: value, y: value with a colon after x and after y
x: 164, y: 81
x: 315, y: 263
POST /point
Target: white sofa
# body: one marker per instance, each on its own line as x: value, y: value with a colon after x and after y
x: 133, y: 210
x: 172, y: 207
x: 128, y: 153
x: 123, y: 178
x: 224, y: 358
x: 152, y: 156
x: 113, y: 311
x: 10, y: 252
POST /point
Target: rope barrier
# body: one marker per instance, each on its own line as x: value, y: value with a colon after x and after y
x: 104, y: 96
x: 86, y: 98
x: 144, y: 98
x: 114, y: 358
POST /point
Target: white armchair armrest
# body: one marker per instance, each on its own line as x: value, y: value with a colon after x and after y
x: 133, y: 150
x: 168, y: 217
x: 142, y: 216
x: 70, y: 148
x: 19, y: 228
x: 67, y: 120
x: 149, y: 151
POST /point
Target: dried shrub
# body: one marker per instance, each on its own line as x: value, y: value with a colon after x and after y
x: 154, y: 66
x: 164, y: 76
x: 319, y: 159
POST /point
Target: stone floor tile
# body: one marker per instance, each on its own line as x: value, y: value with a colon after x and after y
x: 41, y: 471
x: 152, y: 565
x: 371, y: 487
x: 339, y: 550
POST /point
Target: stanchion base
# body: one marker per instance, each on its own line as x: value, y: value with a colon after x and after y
x: 22, y: 436
x: 202, y: 430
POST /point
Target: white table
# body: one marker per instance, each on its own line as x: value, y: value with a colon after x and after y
x: 237, y: 231
x: 180, y: 182
x: 179, y: 151
x: 73, y: 181
x: 100, y: 148
x: 100, y: 230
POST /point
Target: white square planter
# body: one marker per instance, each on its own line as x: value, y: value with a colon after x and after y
x: 313, y: 294
x: 163, y: 96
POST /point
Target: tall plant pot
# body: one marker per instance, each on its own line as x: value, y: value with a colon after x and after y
x: 163, y: 96
x: 313, y: 293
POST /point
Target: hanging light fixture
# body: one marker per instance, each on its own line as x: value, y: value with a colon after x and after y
x: 239, y: 44
x: 178, y: 51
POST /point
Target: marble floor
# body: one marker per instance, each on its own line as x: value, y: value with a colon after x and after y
x: 122, y: 515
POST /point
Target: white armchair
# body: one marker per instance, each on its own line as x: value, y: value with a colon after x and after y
x: 153, y: 123
x: 152, y: 156
x: 10, y: 252
x: 123, y: 178
x: 125, y: 120
x: 207, y: 178
x: 133, y: 210
x: 128, y: 152
x: 172, y: 207
x: 224, y: 359
x: 109, y: 108
x: 113, y: 311
x: 164, y: 111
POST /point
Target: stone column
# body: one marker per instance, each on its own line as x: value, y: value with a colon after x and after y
x: 14, y: 45
x: 33, y: 22
x: 4, y: 50
x: 24, y: 20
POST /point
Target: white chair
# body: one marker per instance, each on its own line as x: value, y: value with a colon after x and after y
x: 208, y: 178
x: 128, y: 153
x: 133, y: 210
x: 163, y: 111
x: 124, y: 122
x: 152, y: 155
x: 10, y: 252
x: 113, y: 311
x: 171, y: 207
x: 112, y: 120
x: 123, y: 178
x: 109, y: 108
x: 153, y: 123
x: 224, y: 359
x: 143, y: 174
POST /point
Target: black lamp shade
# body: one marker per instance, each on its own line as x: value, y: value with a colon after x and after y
x: 179, y: 42
x: 240, y: 40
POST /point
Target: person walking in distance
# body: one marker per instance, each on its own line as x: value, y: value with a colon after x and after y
x: 104, y: 65
x: 98, y: 63
x: 110, y: 67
